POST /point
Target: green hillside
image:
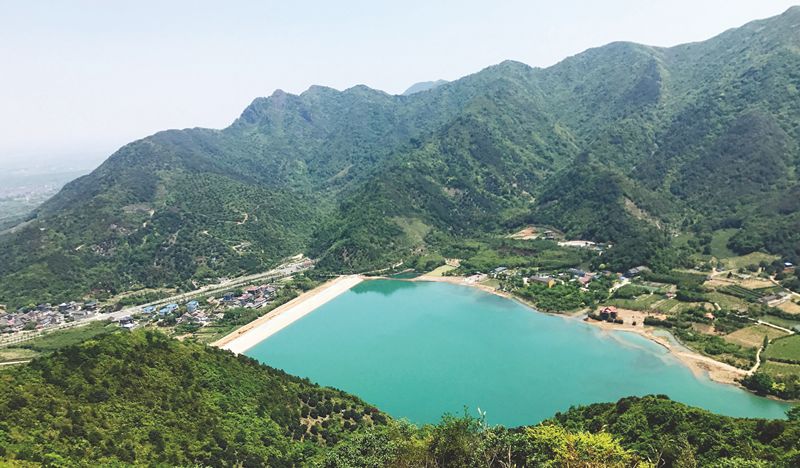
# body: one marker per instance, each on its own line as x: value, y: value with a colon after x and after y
x: 143, y: 399
x: 623, y: 143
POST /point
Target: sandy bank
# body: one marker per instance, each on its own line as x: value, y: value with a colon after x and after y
x: 276, y: 320
x: 696, y: 362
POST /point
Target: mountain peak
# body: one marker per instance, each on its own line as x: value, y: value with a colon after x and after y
x: 423, y: 86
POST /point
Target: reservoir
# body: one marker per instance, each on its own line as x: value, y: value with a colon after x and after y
x: 417, y: 350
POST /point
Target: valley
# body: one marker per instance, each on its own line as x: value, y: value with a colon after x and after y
x: 591, y: 263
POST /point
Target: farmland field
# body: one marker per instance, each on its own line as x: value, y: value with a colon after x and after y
x: 734, y: 263
x: 790, y: 307
x: 727, y: 302
x: 753, y: 337
x: 786, y: 348
x: 782, y: 322
x: 440, y: 271
x: 643, y: 302
x: 777, y: 369
x: 741, y: 292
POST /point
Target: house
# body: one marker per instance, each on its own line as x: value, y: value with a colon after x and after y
x: 171, y: 307
x: 476, y: 278
x: 228, y: 297
x: 149, y: 309
x: 577, y: 243
x: 774, y: 300
x: 608, y: 313
x: 585, y: 279
x: 709, y: 315
x: 80, y: 314
x: 192, y: 306
x: 576, y: 272
x: 499, y: 270
x: 636, y: 271
x: 90, y: 305
x: 63, y: 307
x: 545, y: 280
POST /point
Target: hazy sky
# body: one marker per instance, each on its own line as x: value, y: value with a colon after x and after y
x: 78, y: 79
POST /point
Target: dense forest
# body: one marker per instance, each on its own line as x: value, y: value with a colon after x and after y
x: 143, y: 399
x: 625, y: 143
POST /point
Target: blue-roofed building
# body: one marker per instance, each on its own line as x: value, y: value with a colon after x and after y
x: 172, y: 307
x: 163, y: 311
x: 192, y: 306
x: 149, y: 309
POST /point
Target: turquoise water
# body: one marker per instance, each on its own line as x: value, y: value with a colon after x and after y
x: 417, y: 350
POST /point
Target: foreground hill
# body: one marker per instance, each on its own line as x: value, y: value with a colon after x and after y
x: 141, y: 398
x: 623, y: 143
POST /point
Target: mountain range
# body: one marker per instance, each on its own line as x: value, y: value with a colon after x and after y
x: 625, y: 143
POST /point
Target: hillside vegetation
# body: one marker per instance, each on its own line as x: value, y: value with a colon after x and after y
x: 623, y: 143
x: 143, y: 399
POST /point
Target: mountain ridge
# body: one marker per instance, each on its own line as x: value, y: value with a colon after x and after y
x: 343, y: 172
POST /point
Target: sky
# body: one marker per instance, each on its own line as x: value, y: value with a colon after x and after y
x: 81, y: 78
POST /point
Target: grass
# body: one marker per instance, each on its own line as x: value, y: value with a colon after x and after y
x: 440, y: 271
x: 727, y: 302
x: 753, y: 337
x: 16, y: 354
x: 781, y: 322
x: 643, y: 302
x: 719, y: 243
x: 492, y: 283
x: 62, y: 338
x: 674, y: 306
x: 780, y: 369
x: 414, y: 228
x: 785, y: 348
x: 734, y: 263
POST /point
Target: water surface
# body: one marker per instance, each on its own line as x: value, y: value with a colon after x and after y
x: 419, y: 349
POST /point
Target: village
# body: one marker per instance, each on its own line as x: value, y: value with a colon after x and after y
x: 188, y: 311
x: 45, y: 316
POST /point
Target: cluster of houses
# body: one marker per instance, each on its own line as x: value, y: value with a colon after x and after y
x: 572, y: 274
x: 774, y: 300
x: 45, y: 315
x: 253, y: 297
x: 193, y: 312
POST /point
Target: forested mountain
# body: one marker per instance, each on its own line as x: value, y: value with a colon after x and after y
x: 423, y: 86
x: 140, y: 398
x: 623, y: 143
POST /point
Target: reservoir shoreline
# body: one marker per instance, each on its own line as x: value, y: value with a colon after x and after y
x: 250, y: 335
x: 699, y: 364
